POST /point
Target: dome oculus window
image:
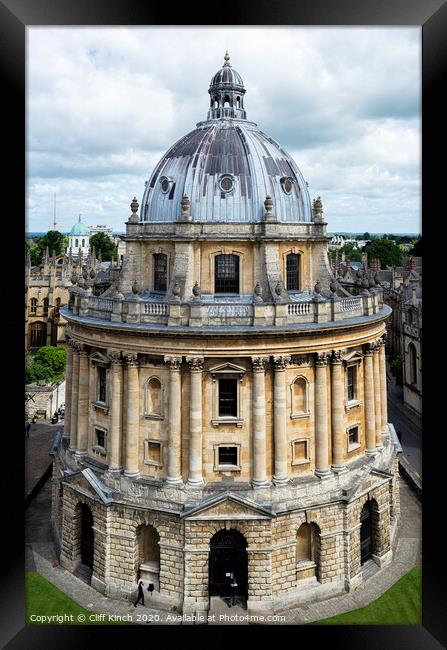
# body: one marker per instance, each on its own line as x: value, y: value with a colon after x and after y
x: 287, y: 185
x: 165, y: 184
x: 226, y: 183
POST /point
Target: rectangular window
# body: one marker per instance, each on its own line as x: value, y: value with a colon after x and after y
x: 228, y: 398
x: 226, y: 274
x: 153, y: 453
x: 353, y: 437
x: 100, y: 438
x: 351, y: 383
x: 160, y: 272
x: 292, y: 270
x: 228, y: 456
x: 102, y: 382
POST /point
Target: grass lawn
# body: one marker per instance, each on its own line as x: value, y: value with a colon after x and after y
x: 400, y: 605
x: 44, y: 599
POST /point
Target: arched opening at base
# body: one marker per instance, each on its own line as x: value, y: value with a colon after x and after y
x: 366, y: 536
x: 228, y: 564
x: 148, y: 556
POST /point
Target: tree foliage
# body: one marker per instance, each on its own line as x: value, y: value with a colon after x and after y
x: 53, y: 239
x: 417, y: 248
x: 386, y: 250
x: 48, y: 364
x: 102, y: 242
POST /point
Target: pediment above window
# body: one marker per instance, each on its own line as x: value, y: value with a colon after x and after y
x: 227, y: 369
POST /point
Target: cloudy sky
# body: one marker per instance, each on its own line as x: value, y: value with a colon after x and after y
x: 104, y: 104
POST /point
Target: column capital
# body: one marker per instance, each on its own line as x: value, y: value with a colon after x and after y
x: 336, y: 357
x: 368, y: 349
x: 281, y: 362
x: 131, y: 358
x: 195, y: 363
x: 321, y: 359
x: 259, y: 363
x: 173, y: 363
x: 114, y: 357
x: 81, y: 349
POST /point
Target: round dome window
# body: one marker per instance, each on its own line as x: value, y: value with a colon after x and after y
x: 287, y: 185
x: 226, y: 183
x: 165, y: 185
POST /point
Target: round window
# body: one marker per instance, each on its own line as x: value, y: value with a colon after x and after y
x: 226, y: 183
x: 287, y: 185
x: 164, y: 185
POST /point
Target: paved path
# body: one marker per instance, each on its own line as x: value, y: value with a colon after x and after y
x: 41, y: 553
x: 37, y: 447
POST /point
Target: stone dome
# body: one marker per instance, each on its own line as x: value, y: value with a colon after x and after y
x: 226, y: 166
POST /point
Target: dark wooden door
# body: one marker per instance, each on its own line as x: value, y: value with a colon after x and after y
x: 365, y: 534
x: 87, y: 537
x: 228, y: 555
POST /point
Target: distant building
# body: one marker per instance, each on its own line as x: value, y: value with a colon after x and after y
x: 78, y: 240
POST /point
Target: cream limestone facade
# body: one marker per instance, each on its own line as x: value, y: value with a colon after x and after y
x: 225, y: 415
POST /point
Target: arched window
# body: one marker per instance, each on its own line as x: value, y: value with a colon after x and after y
x: 83, y: 243
x: 226, y: 101
x: 413, y: 364
x: 292, y: 272
x: 45, y: 306
x: 160, y: 272
x: 76, y: 243
x: 154, y: 401
x: 238, y: 102
x: 38, y: 333
x: 226, y: 274
x: 299, y: 404
x: 308, y: 551
x: 33, y: 307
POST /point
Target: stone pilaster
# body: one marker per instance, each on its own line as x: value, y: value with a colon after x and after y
x: 131, y: 466
x: 116, y: 408
x: 370, y: 416
x: 174, y: 472
x: 337, y: 413
x: 195, y: 477
x: 74, y: 397
x: 321, y: 417
x: 383, y: 393
x: 68, y: 389
x: 259, y: 434
x: 377, y: 396
x: 280, y: 476
x: 82, y: 437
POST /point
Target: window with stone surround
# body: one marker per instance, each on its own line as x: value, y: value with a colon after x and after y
x: 351, y: 384
x: 300, y: 451
x: 33, y: 306
x: 226, y: 274
x: 353, y: 437
x: 228, y: 398
x: 299, y: 398
x: 292, y: 272
x: 153, y: 453
x: 226, y: 394
x: 100, y: 441
x: 227, y: 457
x: 153, y: 395
x: 102, y: 384
x: 160, y: 272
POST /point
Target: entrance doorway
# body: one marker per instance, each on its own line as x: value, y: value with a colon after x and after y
x: 228, y: 558
x: 365, y: 533
x: 87, y: 541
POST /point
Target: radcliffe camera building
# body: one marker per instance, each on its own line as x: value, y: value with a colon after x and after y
x: 227, y: 408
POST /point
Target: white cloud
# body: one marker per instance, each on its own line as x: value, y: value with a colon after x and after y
x: 104, y: 104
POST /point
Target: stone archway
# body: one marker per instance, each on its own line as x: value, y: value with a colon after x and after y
x: 228, y: 558
x: 148, y: 555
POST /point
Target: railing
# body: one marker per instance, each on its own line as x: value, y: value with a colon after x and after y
x: 101, y: 304
x: 154, y: 309
x: 351, y: 304
x: 300, y: 309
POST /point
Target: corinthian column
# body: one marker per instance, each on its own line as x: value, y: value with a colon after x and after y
x: 370, y: 416
x: 259, y: 435
x: 131, y: 465
x: 337, y: 412
x: 82, y: 437
x: 74, y: 398
x: 68, y: 389
x: 321, y: 417
x: 377, y: 396
x: 383, y: 394
x: 280, y: 423
x: 116, y: 407
x: 174, y: 474
x: 195, y: 478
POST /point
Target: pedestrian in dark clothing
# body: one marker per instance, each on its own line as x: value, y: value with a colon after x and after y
x: 27, y: 428
x: 140, y: 594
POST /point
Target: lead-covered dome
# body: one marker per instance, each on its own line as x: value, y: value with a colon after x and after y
x: 226, y: 166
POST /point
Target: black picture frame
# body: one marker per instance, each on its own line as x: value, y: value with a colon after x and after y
x: 431, y: 15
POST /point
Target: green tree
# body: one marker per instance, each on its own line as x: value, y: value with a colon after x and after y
x: 351, y: 253
x: 52, y: 357
x: 53, y: 239
x: 386, y: 250
x: 102, y: 242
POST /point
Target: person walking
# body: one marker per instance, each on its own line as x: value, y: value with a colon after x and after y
x: 140, y: 594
